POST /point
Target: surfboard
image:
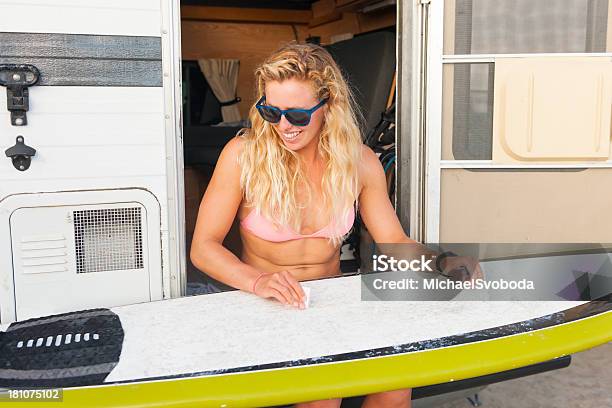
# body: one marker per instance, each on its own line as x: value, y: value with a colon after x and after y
x: 235, y: 349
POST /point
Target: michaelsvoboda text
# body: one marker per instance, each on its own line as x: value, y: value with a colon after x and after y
x: 444, y: 284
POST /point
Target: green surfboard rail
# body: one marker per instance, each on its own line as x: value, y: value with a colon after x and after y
x: 348, y: 378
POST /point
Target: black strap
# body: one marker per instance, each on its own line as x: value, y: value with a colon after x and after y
x: 232, y: 102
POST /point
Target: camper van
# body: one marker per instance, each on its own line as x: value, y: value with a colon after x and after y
x: 491, y: 120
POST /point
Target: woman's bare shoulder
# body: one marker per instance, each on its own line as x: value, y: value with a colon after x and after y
x: 232, y: 150
x: 368, y: 157
x: 234, y: 146
x: 228, y: 164
x: 369, y: 165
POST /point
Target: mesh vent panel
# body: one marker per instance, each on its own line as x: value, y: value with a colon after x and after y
x: 108, y: 239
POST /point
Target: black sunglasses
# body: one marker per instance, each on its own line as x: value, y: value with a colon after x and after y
x: 297, y: 117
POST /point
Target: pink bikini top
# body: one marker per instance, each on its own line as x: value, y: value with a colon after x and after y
x: 265, y: 229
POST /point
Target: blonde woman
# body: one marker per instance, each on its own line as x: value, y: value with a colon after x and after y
x: 293, y: 179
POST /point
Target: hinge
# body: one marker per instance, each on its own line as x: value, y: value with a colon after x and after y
x: 17, y: 78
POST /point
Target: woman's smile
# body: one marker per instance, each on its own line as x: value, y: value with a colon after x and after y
x: 291, y: 136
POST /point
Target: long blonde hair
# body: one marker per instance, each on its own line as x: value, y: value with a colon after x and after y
x: 272, y: 173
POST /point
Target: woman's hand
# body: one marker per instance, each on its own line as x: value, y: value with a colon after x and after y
x: 461, y: 268
x: 281, y: 286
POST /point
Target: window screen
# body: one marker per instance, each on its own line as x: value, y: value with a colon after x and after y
x: 526, y: 26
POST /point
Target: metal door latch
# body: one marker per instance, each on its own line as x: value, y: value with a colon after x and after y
x: 17, y: 78
x: 21, y: 154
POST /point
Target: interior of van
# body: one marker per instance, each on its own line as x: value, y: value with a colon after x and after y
x: 231, y: 38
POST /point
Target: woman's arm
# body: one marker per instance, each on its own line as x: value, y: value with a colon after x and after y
x: 374, y: 205
x: 215, y: 217
x: 384, y: 226
x: 379, y: 215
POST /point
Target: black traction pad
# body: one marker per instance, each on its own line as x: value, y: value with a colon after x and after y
x: 65, y: 350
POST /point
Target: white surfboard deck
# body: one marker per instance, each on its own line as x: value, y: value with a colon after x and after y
x: 236, y: 329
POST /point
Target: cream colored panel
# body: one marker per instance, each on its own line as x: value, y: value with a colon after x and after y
x: 561, y: 206
x: 552, y: 109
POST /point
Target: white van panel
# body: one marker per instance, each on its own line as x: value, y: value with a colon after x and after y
x: 103, y: 119
x: 91, y: 132
x: 105, y: 17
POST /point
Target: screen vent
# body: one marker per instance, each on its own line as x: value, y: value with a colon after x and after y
x: 108, y: 239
